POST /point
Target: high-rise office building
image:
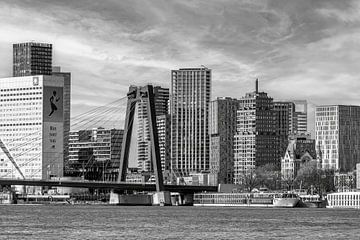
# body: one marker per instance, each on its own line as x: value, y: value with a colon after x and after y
x: 284, y: 112
x: 56, y: 71
x: 95, y: 154
x: 161, y: 96
x: 31, y: 126
x: 300, y: 117
x: 256, y: 141
x: 189, y: 106
x: 222, y: 128
x: 297, y: 116
x: 31, y: 59
x: 358, y: 175
x: 285, y: 116
x: 164, y: 134
x: 337, y: 135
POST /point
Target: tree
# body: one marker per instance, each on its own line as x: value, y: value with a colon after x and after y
x: 250, y: 179
x: 314, y: 179
x: 288, y: 182
x: 270, y: 176
x: 267, y: 175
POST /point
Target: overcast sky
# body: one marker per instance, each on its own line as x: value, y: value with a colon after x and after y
x: 299, y: 49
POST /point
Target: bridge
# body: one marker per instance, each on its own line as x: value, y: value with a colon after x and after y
x: 136, y: 94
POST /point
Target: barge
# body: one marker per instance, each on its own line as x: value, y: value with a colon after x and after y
x: 235, y: 199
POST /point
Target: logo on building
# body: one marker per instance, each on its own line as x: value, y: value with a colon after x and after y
x: 53, y: 102
x: 35, y: 81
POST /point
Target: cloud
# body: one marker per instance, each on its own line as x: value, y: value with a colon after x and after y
x: 349, y: 14
x: 298, y: 49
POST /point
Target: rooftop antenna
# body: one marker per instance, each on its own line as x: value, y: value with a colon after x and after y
x: 203, y: 66
x: 257, y: 85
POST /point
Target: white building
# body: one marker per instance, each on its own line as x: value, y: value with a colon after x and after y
x: 337, y: 136
x: 344, y: 200
x: 31, y: 126
x: 358, y: 176
x: 300, y: 117
x: 300, y: 150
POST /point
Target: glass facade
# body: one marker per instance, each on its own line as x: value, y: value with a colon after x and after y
x: 32, y: 59
x: 222, y: 129
x: 256, y: 140
x: 190, y: 100
x: 144, y: 161
x: 95, y: 154
x: 337, y: 135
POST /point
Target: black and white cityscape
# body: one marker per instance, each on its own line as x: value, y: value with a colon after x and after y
x: 179, y: 119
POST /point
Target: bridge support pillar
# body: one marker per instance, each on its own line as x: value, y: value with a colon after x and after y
x: 130, y: 199
x: 156, y: 199
x: 114, y: 198
x: 162, y: 199
x: 186, y: 199
x: 135, y: 95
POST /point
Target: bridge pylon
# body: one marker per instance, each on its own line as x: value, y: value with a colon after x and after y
x: 134, y: 95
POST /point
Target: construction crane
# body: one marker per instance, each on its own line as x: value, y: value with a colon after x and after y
x: 8, y: 154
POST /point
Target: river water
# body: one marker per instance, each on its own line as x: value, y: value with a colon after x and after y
x: 122, y: 222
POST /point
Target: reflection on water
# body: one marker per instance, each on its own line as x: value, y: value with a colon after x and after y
x: 120, y: 222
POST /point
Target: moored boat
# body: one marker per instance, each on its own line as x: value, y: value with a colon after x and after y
x: 7, y: 197
x: 312, y: 201
x: 44, y: 199
x: 234, y: 199
x: 286, y: 200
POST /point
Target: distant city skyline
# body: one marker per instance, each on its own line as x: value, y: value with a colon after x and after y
x: 297, y: 49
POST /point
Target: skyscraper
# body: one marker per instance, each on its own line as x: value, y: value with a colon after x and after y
x: 164, y: 133
x: 222, y: 128
x: 31, y: 59
x: 161, y: 96
x: 300, y: 117
x: 284, y: 112
x: 190, y: 100
x: 31, y: 126
x: 358, y: 175
x: 56, y: 71
x: 297, y: 115
x: 256, y: 141
x: 337, y: 136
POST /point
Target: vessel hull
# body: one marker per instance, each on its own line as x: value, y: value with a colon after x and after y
x: 285, y: 202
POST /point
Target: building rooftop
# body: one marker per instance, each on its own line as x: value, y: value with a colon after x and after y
x: 33, y: 43
x: 193, y: 69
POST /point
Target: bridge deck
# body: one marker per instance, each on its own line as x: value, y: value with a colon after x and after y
x: 108, y: 185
